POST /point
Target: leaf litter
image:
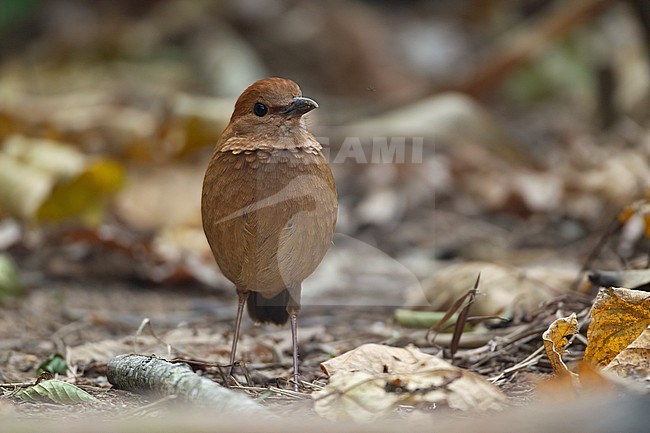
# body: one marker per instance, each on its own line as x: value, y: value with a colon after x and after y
x: 526, y: 213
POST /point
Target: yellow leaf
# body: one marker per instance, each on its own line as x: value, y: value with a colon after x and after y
x: 634, y: 360
x: 48, y: 180
x: 618, y: 317
x: 556, y: 338
x: 83, y: 196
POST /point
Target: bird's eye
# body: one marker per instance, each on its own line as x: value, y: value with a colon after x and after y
x: 260, y: 109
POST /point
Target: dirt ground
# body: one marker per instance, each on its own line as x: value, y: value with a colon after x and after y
x: 88, y: 323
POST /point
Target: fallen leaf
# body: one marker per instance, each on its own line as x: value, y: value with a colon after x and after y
x: 85, y: 195
x: 368, y: 382
x: 55, y: 391
x: 10, y: 285
x: 50, y: 181
x: 634, y: 360
x: 358, y: 395
x: 502, y: 287
x: 556, y: 338
x: 618, y: 317
x: 630, y: 278
x: 54, y: 364
x: 449, y: 117
x: 378, y: 359
x: 162, y: 196
x: 422, y: 319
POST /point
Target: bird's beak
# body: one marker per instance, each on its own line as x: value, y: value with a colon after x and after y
x: 299, y: 106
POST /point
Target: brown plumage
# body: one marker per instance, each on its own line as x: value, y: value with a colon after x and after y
x: 269, y: 203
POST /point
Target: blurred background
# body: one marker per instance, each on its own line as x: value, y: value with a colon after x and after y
x: 531, y: 117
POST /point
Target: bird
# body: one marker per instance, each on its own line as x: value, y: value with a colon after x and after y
x: 269, y: 204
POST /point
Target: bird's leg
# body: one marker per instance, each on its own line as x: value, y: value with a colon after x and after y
x: 294, y: 337
x: 243, y: 296
x: 293, y: 308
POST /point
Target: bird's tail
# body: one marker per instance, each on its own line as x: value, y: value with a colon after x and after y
x: 273, y: 310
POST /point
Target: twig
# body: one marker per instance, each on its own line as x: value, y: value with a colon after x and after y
x: 146, y: 323
x: 529, y: 360
x: 143, y: 409
x: 527, y: 41
x: 612, y: 228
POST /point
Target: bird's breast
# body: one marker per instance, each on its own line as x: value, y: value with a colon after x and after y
x: 269, y: 215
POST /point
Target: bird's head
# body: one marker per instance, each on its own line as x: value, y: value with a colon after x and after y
x: 269, y: 104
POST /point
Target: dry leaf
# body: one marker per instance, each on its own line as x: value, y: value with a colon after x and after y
x: 357, y: 395
x: 181, y: 341
x: 556, y: 338
x: 618, y: 317
x: 47, y: 180
x: 630, y: 278
x: 378, y: 359
x: 449, y: 117
x: 634, y: 360
x: 162, y: 196
x: 371, y: 380
x: 616, y: 179
x: 502, y: 287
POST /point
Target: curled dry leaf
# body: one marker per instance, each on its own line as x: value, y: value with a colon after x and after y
x: 371, y: 380
x: 556, y: 338
x: 618, y: 317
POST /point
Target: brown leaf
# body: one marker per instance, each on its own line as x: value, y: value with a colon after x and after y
x: 630, y: 278
x: 369, y: 381
x: 162, y: 196
x: 378, y: 359
x: 502, y: 287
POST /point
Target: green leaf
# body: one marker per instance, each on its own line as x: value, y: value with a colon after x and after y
x: 53, y: 364
x: 55, y: 391
x: 9, y: 281
x: 421, y: 319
